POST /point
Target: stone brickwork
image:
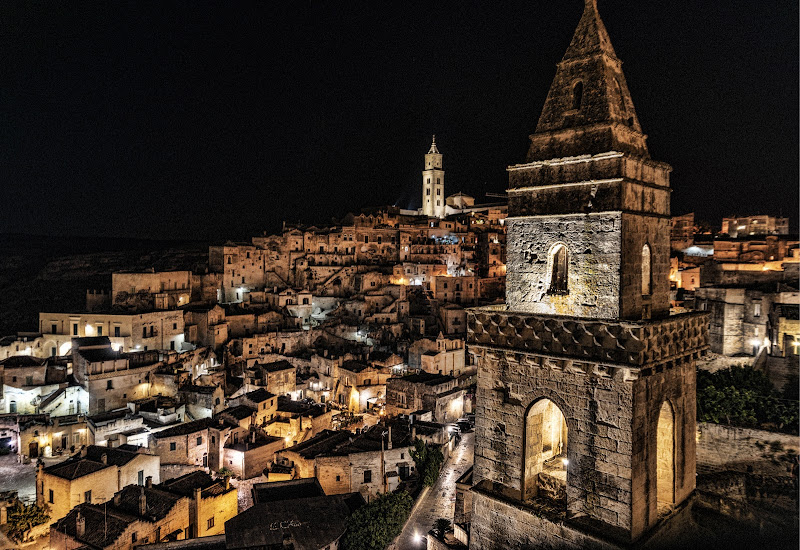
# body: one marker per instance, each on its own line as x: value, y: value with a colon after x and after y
x: 612, y: 418
x: 593, y: 245
x: 501, y: 519
x: 641, y: 344
x: 722, y: 447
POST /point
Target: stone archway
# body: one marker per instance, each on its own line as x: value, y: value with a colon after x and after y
x: 665, y: 456
x: 545, y: 466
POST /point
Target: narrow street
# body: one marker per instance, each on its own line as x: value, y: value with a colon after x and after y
x: 440, y: 499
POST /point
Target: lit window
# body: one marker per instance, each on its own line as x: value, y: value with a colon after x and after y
x: 646, y: 278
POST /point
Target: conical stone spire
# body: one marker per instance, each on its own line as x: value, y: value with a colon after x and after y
x: 590, y: 36
x: 589, y: 107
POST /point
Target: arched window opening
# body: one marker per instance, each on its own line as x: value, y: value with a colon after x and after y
x: 577, y: 95
x: 558, y: 270
x: 665, y: 458
x: 646, y: 271
x: 546, y: 463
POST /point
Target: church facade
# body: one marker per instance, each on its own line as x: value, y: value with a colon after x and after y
x: 585, y: 420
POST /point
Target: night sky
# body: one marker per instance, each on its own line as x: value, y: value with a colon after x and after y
x: 173, y: 120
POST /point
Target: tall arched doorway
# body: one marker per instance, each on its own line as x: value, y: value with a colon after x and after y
x: 545, y: 467
x: 665, y: 453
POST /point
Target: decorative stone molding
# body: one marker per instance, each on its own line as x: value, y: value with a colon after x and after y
x: 643, y: 344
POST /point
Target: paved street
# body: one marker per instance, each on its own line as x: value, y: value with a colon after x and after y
x: 440, y: 499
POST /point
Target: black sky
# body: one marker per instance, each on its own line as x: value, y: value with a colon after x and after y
x: 219, y: 120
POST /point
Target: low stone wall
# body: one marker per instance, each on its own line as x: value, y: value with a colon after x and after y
x: 722, y: 447
x: 713, y: 362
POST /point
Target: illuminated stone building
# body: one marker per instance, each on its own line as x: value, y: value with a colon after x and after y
x: 585, y: 421
x: 433, y: 197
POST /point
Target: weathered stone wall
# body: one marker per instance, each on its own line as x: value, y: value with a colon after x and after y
x: 597, y: 409
x: 722, y: 447
x: 726, y: 307
x: 594, y: 251
x: 636, y: 232
x: 677, y: 386
x: 328, y: 469
x: 499, y: 524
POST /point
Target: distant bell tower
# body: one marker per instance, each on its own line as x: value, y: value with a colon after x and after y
x: 433, y: 199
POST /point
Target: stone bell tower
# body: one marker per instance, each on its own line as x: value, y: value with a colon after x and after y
x: 585, y: 420
x: 433, y: 199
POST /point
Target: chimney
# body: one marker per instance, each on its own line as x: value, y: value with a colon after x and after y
x: 198, y: 494
x: 104, y: 458
x: 142, y: 502
x: 80, y: 525
x: 253, y: 436
x: 413, y: 433
x: 148, y: 482
x: 227, y: 483
x: 118, y: 498
x: 389, y: 444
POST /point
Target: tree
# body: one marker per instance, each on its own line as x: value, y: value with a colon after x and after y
x: 22, y: 518
x: 428, y: 461
x: 441, y: 526
x: 744, y: 396
x: 375, y: 525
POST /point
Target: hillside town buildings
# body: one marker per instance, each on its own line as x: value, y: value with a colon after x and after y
x: 286, y: 381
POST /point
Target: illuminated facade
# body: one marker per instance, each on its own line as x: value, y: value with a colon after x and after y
x: 433, y: 197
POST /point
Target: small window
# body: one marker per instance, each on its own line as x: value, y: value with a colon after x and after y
x: 646, y: 278
x: 74, y: 330
x: 210, y: 522
x: 173, y: 446
x: 757, y: 309
x: 577, y: 95
x: 116, y: 332
x: 338, y: 478
x: 133, y: 538
x: 428, y: 192
x: 29, y: 380
x: 558, y: 270
x: 174, y: 326
x: 99, y: 330
x: 87, y: 497
x: 54, y: 328
x: 367, y: 476
x: 50, y: 496
x: 199, y: 440
x: 109, y: 385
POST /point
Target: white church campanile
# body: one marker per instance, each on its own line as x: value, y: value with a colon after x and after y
x: 433, y: 199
